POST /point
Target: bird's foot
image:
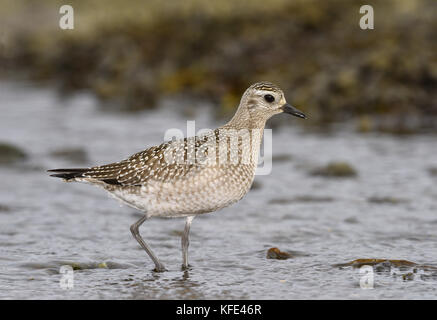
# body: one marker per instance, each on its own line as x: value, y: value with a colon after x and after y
x: 186, y: 267
x: 160, y: 268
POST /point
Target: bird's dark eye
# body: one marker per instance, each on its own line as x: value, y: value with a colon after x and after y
x: 269, y: 98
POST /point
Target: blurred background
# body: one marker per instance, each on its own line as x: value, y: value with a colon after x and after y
x: 357, y: 180
x: 131, y: 54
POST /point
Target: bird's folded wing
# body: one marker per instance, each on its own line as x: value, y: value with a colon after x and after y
x: 144, y: 166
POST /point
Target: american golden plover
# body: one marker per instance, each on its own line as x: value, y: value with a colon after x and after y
x: 184, y: 178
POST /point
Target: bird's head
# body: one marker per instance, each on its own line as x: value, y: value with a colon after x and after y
x: 264, y: 99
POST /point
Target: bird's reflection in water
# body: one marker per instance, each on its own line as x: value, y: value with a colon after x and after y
x: 160, y: 286
x: 185, y: 275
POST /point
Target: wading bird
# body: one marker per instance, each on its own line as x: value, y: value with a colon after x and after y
x: 191, y: 176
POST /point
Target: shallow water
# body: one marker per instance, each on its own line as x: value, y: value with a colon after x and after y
x: 45, y: 223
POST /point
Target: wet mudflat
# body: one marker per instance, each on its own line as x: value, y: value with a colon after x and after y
x: 385, y: 209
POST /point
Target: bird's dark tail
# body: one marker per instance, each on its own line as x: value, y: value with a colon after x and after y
x: 68, y: 174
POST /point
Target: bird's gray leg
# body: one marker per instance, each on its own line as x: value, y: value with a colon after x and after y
x: 159, y: 267
x: 185, y: 242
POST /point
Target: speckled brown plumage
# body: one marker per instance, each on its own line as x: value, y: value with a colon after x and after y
x: 195, y: 175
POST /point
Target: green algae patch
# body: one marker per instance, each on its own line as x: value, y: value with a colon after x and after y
x: 80, y: 266
x: 10, y: 154
x: 335, y: 170
x: 404, y: 269
x: 387, y: 200
x: 358, y: 263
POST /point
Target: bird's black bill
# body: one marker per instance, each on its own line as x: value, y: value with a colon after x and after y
x: 293, y: 111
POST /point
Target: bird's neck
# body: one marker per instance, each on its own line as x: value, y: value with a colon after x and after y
x: 243, y: 119
x: 245, y: 124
